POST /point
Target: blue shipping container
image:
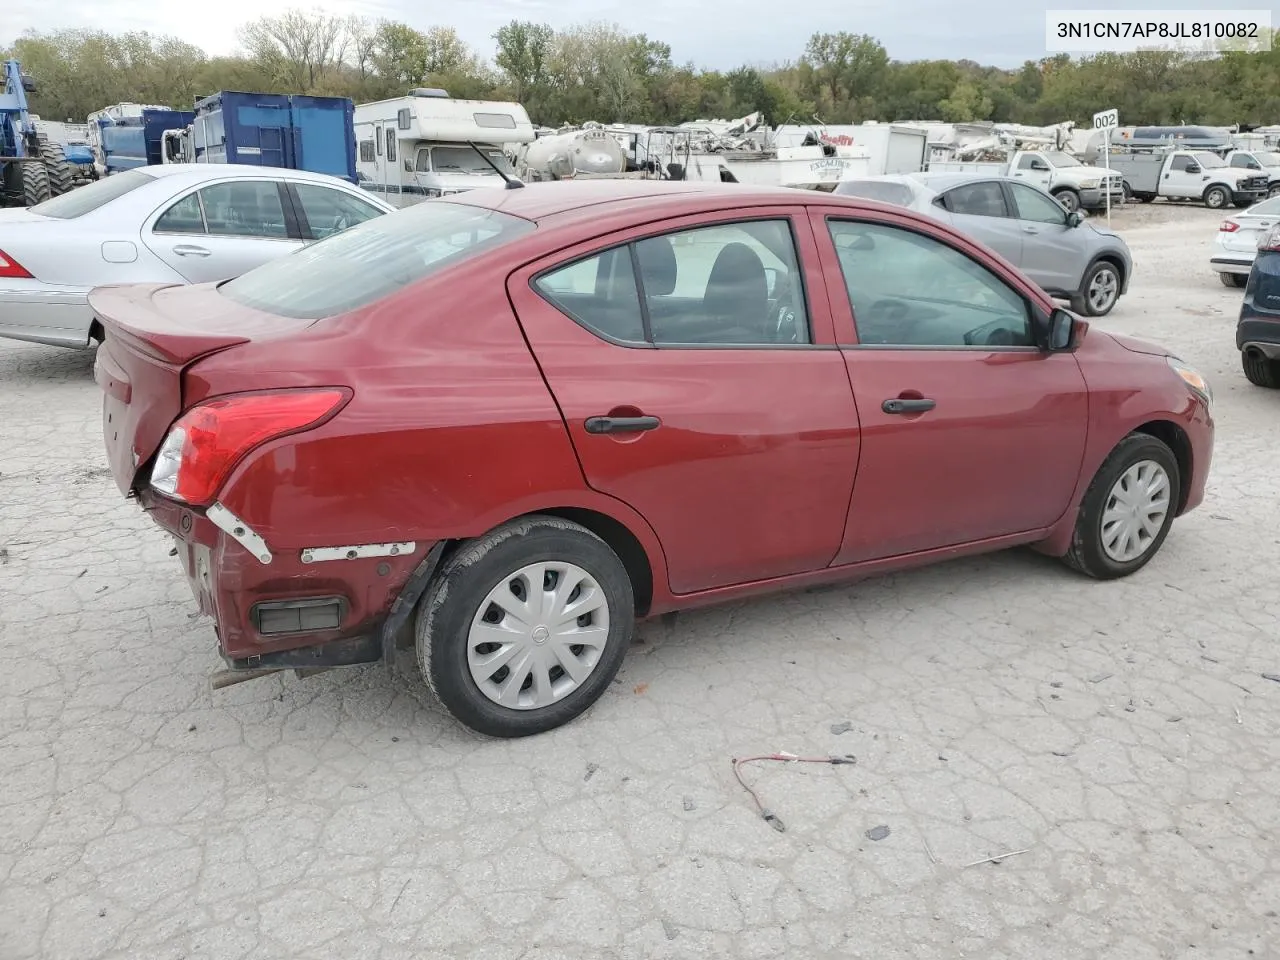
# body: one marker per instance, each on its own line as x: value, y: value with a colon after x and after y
x: 277, y: 130
x: 135, y: 141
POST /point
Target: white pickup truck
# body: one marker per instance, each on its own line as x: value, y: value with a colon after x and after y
x: 1258, y: 160
x: 1189, y: 175
x: 1073, y: 183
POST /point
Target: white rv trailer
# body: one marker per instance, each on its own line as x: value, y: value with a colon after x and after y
x: 419, y: 146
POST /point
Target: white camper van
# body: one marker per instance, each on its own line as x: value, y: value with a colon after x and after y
x: 419, y: 146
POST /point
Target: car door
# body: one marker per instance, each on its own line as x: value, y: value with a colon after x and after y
x: 981, y: 210
x: 969, y: 432
x: 1053, y: 253
x: 323, y: 211
x: 223, y: 229
x: 709, y: 396
x: 1034, y: 169
x: 1182, y: 178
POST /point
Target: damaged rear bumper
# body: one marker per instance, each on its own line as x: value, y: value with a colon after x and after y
x: 309, y: 607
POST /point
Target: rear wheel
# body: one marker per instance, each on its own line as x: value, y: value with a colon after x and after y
x: 525, y: 627
x: 61, y: 175
x: 35, y: 183
x: 1260, y: 370
x: 1127, y: 510
x: 1233, y: 279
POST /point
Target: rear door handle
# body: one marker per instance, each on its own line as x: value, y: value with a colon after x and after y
x: 901, y: 405
x: 621, y: 424
x: 190, y: 250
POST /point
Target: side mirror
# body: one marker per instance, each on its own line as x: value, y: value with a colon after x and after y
x: 1193, y: 168
x: 1075, y: 218
x: 1055, y: 332
x: 408, y: 166
x: 1255, y: 166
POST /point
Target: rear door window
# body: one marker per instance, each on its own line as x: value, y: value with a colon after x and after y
x: 978, y: 200
x: 185, y: 216
x: 245, y: 208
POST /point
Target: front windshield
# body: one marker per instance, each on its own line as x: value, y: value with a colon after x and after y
x: 1060, y: 159
x: 1210, y: 160
x: 1268, y: 159
x: 463, y: 159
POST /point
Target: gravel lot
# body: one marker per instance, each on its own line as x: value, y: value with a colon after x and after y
x: 1120, y: 734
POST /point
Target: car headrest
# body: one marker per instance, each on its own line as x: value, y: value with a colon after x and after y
x: 657, y: 266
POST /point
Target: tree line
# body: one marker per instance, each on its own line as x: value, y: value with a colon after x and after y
x: 598, y: 71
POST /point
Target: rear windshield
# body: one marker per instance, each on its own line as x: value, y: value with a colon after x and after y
x: 370, y: 261
x: 886, y: 191
x: 88, y: 198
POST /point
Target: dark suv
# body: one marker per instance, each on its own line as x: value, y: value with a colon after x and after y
x: 1258, y: 330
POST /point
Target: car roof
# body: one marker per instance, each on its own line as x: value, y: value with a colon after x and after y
x: 568, y: 198
x: 199, y: 172
x: 944, y: 180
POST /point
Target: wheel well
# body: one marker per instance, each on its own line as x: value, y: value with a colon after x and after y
x: 1175, y: 438
x: 622, y: 542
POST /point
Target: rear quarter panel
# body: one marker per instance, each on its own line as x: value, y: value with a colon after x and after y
x: 450, y: 432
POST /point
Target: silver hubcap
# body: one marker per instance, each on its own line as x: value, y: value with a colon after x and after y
x: 1102, y: 289
x: 1135, y: 511
x: 1217, y: 199
x: 538, y: 635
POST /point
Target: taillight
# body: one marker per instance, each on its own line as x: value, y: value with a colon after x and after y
x: 206, y: 442
x: 1269, y: 241
x: 1228, y: 226
x: 12, y: 269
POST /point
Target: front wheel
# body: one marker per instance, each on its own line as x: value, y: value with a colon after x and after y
x: 525, y: 627
x: 1127, y: 510
x: 1069, y: 199
x: 1099, y: 290
x: 1215, y: 198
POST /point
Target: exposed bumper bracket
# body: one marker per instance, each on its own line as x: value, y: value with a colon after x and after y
x: 357, y: 552
x: 238, y: 530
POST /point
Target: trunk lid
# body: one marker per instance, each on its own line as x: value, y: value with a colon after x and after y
x: 152, y: 333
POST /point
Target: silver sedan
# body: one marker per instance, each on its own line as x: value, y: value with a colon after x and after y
x: 1069, y: 258
x: 182, y: 223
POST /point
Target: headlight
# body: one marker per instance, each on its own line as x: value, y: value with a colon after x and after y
x: 1193, y: 378
x: 1090, y: 185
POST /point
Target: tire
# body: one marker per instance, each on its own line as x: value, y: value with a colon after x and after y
x: 1261, y: 371
x: 61, y: 174
x: 35, y: 183
x: 1085, y: 303
x: 499, y: 561
x: 1069, y: 199
x: 1215, y: 198
x: 1128, y: 192
x: 1233, y: 279
x: 1089, y: 553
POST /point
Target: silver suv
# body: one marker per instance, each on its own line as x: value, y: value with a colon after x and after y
x: 1069, y: 258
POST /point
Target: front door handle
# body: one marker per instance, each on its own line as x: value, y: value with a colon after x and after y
x: 1030, y: 230
x: 190, y: 250
x: 620, y: 424
x: 904, y: 405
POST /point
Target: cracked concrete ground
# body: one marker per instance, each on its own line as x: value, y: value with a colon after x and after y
x: 1120, y: 733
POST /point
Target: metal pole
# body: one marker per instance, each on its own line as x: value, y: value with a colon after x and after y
x: 1106, y: 183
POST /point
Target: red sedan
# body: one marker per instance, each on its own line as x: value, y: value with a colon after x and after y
x: 509, y: 424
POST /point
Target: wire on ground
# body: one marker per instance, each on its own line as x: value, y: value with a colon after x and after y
x: 766, y: 814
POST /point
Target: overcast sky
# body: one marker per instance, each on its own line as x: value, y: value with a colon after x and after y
x: 714, y: 35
